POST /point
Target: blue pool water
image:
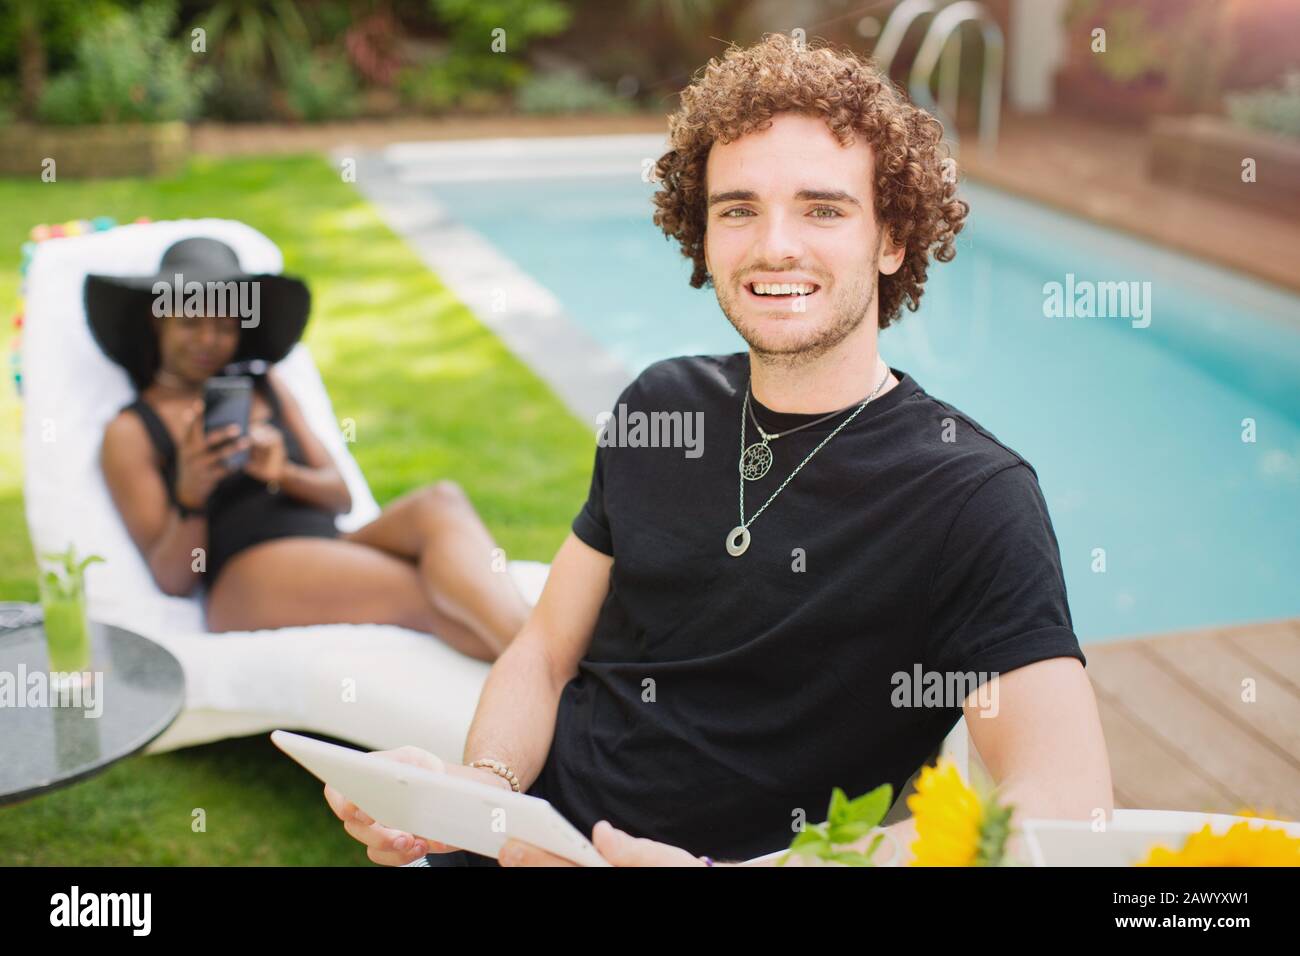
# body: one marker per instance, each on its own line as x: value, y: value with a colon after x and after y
x: 1136, y: 434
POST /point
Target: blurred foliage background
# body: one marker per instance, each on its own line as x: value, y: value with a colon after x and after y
x: 90, y: 61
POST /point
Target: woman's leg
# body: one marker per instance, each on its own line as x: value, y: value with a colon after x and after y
x: 437, y: 527
x: 289, y: 582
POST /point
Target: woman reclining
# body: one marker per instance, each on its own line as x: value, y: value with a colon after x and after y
x: 261, y: 536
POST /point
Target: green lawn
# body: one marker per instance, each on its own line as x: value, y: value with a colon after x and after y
x: 434, y: 395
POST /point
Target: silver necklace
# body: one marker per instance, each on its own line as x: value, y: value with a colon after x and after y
x: 757, y: 458
x: 738, y: 537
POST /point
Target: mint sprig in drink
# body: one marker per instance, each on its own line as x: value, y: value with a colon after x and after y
x: 63, y: 597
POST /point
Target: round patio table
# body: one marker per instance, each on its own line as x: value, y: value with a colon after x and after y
x: 50, y: 739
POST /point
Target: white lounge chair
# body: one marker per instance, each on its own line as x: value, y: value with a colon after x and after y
x: 406, y: 687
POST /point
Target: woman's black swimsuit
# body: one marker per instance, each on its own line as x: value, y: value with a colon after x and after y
x: 241, y: 511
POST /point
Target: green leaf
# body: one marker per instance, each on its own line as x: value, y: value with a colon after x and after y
x: 850, y: 820
x: 849, y: 832
x: 839, y: 804
x: 65, y: 575
x: 811, y: 841
x: 871, y: 807
x: 809, y: 835
x: 993, y: 835
x: 57, y: 587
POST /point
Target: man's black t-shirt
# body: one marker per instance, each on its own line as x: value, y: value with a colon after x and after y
x: 722, y: 698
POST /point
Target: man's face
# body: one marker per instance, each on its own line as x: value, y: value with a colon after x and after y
x: 789, y: 204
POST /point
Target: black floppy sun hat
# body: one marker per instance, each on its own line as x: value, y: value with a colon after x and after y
x: 118, y: 307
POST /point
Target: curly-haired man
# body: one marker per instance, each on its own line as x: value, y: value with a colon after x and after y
x: 850, y: 567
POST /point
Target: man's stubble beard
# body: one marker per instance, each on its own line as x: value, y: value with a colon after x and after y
x: 849, y: 306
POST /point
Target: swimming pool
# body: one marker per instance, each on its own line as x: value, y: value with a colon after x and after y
x: 1135, y: 432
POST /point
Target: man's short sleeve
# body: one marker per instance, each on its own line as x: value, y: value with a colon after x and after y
x: 592, y: 523
x: 997, y: 600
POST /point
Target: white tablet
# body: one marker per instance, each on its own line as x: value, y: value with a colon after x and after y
x: 462, y: 813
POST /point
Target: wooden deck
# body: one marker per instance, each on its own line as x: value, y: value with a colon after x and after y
x: 1179, y: 733
x: 1099, y: 172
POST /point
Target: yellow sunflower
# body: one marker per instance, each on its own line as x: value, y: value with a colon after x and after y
x: 955, y: 826
x: 1240, y: 845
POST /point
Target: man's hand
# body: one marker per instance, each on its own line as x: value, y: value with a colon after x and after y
x: 621, y: 849
x: 389, y: 847
x: 613, y: 844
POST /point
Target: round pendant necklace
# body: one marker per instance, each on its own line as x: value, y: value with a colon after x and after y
x: 738, y: 537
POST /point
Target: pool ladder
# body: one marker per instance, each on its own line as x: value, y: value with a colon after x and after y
x: 942, y: 47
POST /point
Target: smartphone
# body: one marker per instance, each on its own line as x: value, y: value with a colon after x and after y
x: 228, y: 400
